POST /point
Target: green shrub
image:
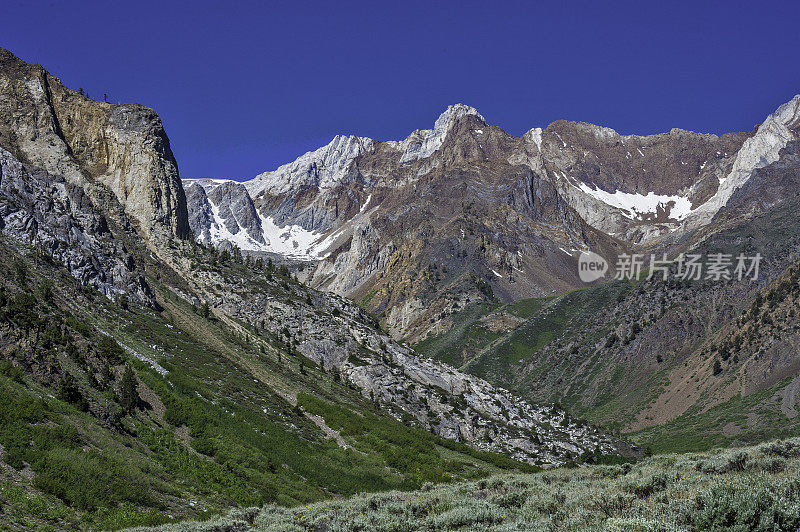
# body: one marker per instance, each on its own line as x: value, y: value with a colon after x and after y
x: 88, y: 480
x: 11, y: 371
x: 740, y: 506
x: 83, y: 329
x: 110, y: 350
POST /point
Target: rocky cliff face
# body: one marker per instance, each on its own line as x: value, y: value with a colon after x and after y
x: 636, y: 188
x: 762, y: 149
x: 122, y: 147
x: 58, y: 221
x: 223, y: 208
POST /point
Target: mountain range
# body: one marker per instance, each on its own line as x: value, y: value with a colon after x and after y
x: 419, y: 228
x: 374, y: 315
x: 465, y: 241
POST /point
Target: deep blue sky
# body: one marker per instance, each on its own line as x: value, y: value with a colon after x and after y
x: 245, y: 87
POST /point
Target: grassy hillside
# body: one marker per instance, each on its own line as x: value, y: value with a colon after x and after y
x: 495, y: 341
x: 752, y: 488
x: 589, y: 352
x: 114, y: 414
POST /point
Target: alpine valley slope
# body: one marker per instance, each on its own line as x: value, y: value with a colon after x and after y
x: 145, y: 375
x: 417, y: 229
x: 448, y: 234
x: 679, y: 364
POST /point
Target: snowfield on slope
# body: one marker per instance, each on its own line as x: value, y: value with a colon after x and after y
x: 635, y: 205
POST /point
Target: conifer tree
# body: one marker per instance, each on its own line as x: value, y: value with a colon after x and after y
x: 128, y: 396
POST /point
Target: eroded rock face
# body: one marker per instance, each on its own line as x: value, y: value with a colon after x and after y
x: 322, y: 168
x: 636, y: 188
x: 216, y: 206
x: 49, y: 215
x: 123, y: 147
x: 199, y: 211
x: 762, y: 149
x: 767, y: 187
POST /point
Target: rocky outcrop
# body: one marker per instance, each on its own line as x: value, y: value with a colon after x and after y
x: 365, y: 257
x: 221, y: 206
x: 200, y: 214
x: 762, y: 149
x: 422, y: 144
x: 323, y: 168
x: 122, y: 147
x: 56, y: 219
x: 766, y: 188
x: 341, y: 338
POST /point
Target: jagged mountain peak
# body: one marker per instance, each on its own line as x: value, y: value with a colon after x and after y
x: 453, y: 113
x: 323, y: 167
x: 787, y: 115
x: 327, y: 166
x: 758, y: 151
x: 422, y: 143
x: 8, y: 59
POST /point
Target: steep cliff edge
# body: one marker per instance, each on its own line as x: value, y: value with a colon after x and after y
x: 123, y: 147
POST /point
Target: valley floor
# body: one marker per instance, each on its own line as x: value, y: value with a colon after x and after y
x: 753, y: 488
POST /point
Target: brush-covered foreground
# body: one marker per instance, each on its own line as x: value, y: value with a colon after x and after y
x: 754, y: 488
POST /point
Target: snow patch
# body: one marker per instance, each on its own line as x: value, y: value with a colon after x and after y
x: 364, y: 207
x: 635, y: 205
x: 292, y: 241
x: 35, y: 88
x: 536, y: 136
